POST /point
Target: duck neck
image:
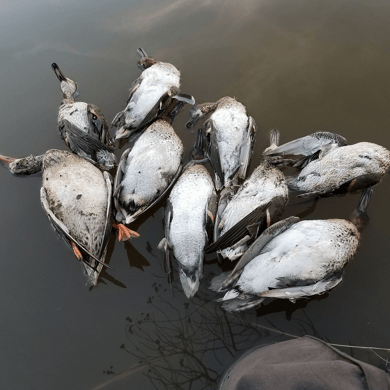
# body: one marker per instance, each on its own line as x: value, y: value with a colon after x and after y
x: 359, y: 216
x: 67, y: 101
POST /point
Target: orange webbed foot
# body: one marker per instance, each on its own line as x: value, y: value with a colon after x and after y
x: 7, y: 159
x: 76, y: 251
x: 125, y: 233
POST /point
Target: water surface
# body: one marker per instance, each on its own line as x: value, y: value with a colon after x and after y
x: 299, y: 66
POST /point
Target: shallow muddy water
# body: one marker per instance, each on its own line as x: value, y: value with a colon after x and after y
x: 299, y: 66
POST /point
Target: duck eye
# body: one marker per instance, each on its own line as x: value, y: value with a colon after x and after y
x: 94, y: 117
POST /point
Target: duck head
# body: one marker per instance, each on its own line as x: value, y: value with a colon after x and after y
x: 198, y: 111
x: 359, y: 216
x: 23, y: 166
x: 145, y: 62
x: 68, y: 86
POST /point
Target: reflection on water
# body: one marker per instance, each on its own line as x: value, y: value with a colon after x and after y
x: 298, y: 65
x: 191, y: 345
x: 175, y: 344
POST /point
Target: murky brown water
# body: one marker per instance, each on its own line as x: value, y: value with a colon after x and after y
x: 299, y: 66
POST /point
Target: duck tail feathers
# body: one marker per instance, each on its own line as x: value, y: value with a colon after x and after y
x: 292, y: 182
x: 190, y: 283
x: 92, y: 273
x: 163, y: 245
x: 274, y: 137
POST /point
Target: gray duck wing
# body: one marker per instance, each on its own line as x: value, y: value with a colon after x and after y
x: 108, y: 225
x: 211, y: 215
x: 359, y: 183
x: 212, y: 150
x: 173, y: 181
x: 247, y: 148
x: 297, y: 292
x: 119, y: 119
x: 226, y: 196
x: 118, y: 180
x: 255, y: 249
x: 136, y: 84
x: 239, y: 230
x: 98, y: 124
x: 156, y: 111
x: 307, y: 146
x: 63, y: 230
x: 80, y: 142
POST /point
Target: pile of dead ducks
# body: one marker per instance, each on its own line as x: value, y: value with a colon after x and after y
x: 227, y: 213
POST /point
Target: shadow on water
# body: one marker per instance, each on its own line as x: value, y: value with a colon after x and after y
x: 177, y: 342
x: 285, y: 306
x: 135, y: 258
x: 189, y: 345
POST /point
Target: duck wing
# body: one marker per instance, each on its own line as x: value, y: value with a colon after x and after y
x: 136, y: 84
x: 296, y: 292
x: 247, y: 147
x: 211, y: 215
x: 98, y: 124
x: 108, y: 226
x: 118, y: 180
x: 256, y: 248
x: 226, y: 196
x: 80, y: 142
x: 63, y: 230
x: 240, y: 229
x: 161, y: 105
x: 173, y: 181
x: 359, y: 183
x: 307, y: 146
x: 212, y: 151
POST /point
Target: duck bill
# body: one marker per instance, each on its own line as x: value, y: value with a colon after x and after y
x: 122, y: 133
x: 192, y: 121
x: 142, y: 52
x: 195, y: 114
x: 359, y: 216
x: 61, y: 77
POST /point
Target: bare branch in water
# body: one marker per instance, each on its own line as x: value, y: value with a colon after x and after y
x: 176, y: 342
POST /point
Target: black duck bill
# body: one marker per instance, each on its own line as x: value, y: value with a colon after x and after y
x: 58, y: 72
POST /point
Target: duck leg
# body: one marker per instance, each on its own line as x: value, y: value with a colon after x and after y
x: 76, y: 251
x: 124, y: 233
x: 6, y: 159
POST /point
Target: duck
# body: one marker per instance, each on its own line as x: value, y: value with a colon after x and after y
x: 330, y: 166
x: 293, y: 259
x: 150, y: 95
x: 77, y: 198
x: 189, y: 218
x: 245, y: 211
x: 149, y: 168
x: 83, y: 127
x: 229, y: 137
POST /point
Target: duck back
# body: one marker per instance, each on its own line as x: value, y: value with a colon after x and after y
x: 155, y: 82
x: 77, y: 195
x: 341, y: 165
x: 304, y: 254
